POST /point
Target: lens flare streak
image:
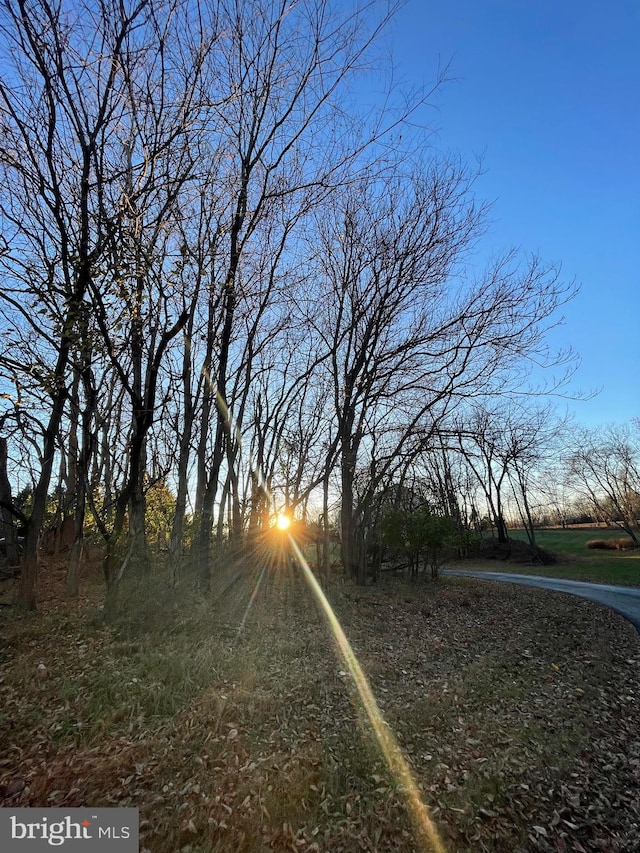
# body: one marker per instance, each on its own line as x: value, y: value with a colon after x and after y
x: 251, y: 602
x: 426, y: 831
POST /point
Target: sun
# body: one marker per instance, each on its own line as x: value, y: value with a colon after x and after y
x: 283, y: 522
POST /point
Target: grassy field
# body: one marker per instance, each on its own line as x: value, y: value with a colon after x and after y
x: 575, y: 560
x: 236, y: 728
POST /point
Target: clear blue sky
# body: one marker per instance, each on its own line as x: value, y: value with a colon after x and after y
x: 549, y: 92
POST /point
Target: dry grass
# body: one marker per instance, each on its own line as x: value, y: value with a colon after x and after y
x: 624, y: 543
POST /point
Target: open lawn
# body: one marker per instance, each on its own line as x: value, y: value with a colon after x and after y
x: 575, y: 560
x: 517, y: 709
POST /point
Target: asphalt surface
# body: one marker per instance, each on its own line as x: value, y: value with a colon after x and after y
x: 624, y: 600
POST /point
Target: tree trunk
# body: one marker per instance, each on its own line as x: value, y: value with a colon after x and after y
x: 28, y: 578
x: 326, y: 537
x: 7, y: 529
x: 80, y: 467
x: 348, y: 456
x: 176, y: 542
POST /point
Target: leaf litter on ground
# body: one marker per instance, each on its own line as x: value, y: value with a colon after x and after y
x: 516, y: 708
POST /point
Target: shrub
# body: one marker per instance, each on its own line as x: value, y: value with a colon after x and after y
x: 420, y: 534
x: 625, y: 543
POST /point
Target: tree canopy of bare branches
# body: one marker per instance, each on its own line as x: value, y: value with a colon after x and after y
x: 224, y: 280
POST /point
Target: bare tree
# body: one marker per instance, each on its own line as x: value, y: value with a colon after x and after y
x: 480, y: 439
x: 384, y: 256
x: 604, y: 468
x: 287, y: 146
x: 532, y: 435
x: 58, y: 97
x: 408, y: 337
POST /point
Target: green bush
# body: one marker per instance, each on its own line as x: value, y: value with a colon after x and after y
x: 419, y: 535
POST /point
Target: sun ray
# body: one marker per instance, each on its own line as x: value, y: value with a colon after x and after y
x: 426, y: 831
x: 251, y: 602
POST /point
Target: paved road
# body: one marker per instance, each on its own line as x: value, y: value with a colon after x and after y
x: 624, y: 600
